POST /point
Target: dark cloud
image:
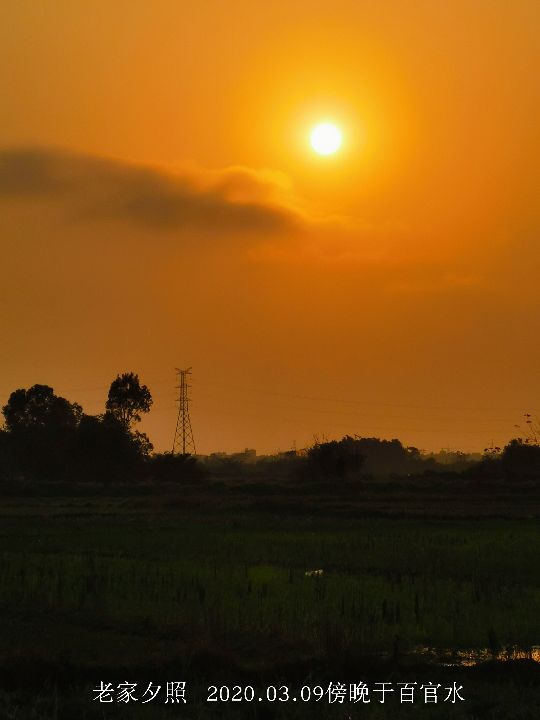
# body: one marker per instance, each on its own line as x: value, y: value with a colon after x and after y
x: 92, y: 189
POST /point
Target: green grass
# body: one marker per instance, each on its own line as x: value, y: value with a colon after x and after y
x: 448, y: 584
x: 119, y: 591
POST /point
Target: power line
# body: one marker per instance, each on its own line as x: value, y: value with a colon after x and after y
x: 345, y: 401
x: 353, y: 401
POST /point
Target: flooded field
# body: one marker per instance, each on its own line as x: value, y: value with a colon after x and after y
x: 260, y: 595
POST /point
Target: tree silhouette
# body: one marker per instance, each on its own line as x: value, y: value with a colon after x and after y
x: 105, y: 450
x: 39, y: 407
x: 127, y: 399
x: 40, y: 430
x: 335, y: 458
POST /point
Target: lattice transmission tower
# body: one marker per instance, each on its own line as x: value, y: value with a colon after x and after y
x: 183, y: 435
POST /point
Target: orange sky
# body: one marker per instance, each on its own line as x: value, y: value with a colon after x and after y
x: 160, y: 206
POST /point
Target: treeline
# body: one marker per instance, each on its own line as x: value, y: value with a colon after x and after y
x: 358, y: 457
x: 46, y: 437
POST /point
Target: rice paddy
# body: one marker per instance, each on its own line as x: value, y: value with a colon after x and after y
x: 258, y: 593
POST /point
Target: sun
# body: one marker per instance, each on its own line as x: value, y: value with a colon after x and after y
x: 325, y: 138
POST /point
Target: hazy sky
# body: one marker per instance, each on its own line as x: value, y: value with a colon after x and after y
x: 160, y: 206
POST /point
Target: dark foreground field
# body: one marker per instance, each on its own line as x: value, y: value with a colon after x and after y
x: 220, y: 586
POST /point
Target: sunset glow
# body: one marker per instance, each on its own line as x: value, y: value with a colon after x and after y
x: 336, y: 202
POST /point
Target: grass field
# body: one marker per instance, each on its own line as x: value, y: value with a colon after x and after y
x: 117, y: 589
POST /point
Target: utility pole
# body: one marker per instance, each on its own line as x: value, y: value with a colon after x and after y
x: 183, y: 435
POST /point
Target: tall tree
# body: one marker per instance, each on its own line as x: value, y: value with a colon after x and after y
x: 128, y: 399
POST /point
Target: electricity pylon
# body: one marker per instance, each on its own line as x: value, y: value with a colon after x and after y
x: 183, y: 435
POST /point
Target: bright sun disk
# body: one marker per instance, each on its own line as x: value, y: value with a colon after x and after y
x: 325, y: 138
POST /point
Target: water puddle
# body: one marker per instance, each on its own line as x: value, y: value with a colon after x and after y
x: 470, y: 657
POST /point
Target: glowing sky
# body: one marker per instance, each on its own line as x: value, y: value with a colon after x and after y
x: 160, y: 206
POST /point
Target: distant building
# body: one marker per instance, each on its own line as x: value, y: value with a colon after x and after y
x: 247, y: 456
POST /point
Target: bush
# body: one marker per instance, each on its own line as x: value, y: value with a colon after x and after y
x: 334, y: 459
x: 166, y: 467
x: 521, y: 460
x: 105, y: 451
